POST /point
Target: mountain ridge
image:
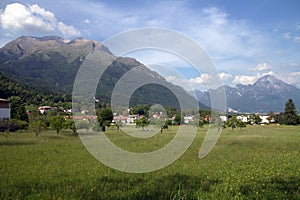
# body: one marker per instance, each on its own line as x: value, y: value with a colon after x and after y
x: 268, y: 93
x: 52, y: 63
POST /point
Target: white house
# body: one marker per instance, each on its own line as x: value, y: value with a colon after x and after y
x: 46, y: 109
x: 223, y: 118
x: 131, y: 119
x: 264, y: 119
x: 120, y: 118
x: 4, y: 109
x: 188, y: 119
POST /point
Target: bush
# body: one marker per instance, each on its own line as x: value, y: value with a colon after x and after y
x: 11, y: 125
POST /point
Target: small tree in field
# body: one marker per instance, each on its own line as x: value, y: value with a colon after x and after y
x: 57, y: 122
x: 232, y: 122
x: 118, y: 124
x: 177, y: 119
x: 142, y: 122
x: 70, y: 124
x: 160, y: 123
x: 37, y: 126
x: 240, y: 124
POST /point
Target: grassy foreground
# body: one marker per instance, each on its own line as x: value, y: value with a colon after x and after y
x: 258, y: 162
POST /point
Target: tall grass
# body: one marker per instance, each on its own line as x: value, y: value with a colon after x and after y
x: 253, y: 163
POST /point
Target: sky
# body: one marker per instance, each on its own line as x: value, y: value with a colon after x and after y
x: 245, y: 39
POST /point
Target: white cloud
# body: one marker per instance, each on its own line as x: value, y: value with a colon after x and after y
x: 245, y: 80
x: 202, y: 82
x: 67, y: 30
x: 225, y: 76
x: 87, y: 21
x: 32, y: 19
x: 262, y: 67
x: 287, y: 35
x: 46, y: 15
x: 202, y: 79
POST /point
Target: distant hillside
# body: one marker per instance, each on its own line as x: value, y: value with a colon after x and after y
x: 50, y: 64
x: 29, y: 95
x: 266, y: 94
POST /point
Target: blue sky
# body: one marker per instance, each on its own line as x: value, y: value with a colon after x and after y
x: 245, y: 39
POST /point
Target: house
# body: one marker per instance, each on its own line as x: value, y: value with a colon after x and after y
x: 46, y: 109
x: 4, y: 109
x: 188, y: 119
x: 120, y: 118
x: 223, y: 118
x: 264, y: 119
x: 131, y: 119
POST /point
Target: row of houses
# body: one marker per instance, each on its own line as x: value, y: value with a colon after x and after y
x: 265, y: 119
x: 130, y: 119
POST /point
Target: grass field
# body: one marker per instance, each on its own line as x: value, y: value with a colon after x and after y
x: 257, y: 162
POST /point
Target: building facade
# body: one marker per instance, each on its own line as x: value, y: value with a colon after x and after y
x: 4, y: 109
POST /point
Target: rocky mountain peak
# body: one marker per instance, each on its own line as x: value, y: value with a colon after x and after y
x: 71, y: 49
x: 268, y: 79
x: 267, y: 93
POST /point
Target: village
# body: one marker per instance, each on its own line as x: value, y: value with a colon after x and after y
x: 5, y: 111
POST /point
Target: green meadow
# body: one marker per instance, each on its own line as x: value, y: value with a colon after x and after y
x: 256, y: 162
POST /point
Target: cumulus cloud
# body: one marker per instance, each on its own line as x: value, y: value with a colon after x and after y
x: 262, y: 67
x: 203, y: 79
x: 32, y: 19
x: 225, y: 76
x: 67, y: 30
x: 245, y: 80
x: 202, y: 82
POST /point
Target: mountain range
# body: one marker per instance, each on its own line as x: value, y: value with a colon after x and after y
x: 268, y: 93
x: 50, y: 64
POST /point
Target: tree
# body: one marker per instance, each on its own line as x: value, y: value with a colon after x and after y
x: 160, y: 123
x: 255, y: 119
x: 240, y: 124
x: 290, y: 113
x: 118, y: 124
x: 140, y: 110
x: 105, y: 118
x: 17, y: 109
x: 177, y: 119
x: 232, y: 122
x: 83, y: 124
x: 57, y: 123
x: 37, y: 125
x: 142, y: 122
x: 70, y: 124
x: 271, y: 117
x: 280, y: 118
x: 198, y: 121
